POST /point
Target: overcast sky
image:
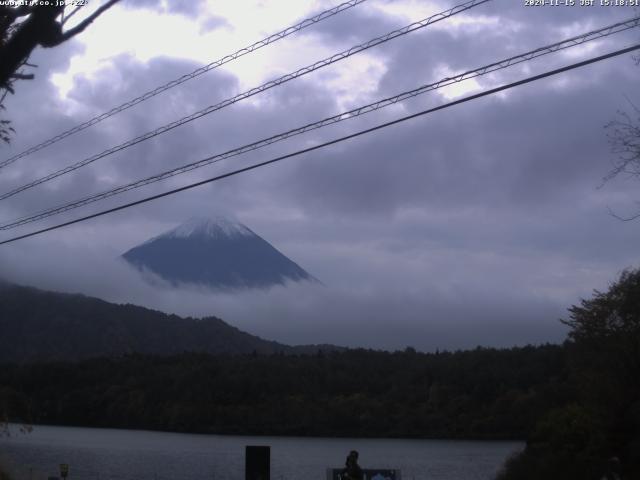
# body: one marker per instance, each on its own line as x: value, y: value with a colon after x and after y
x: 476, y: 225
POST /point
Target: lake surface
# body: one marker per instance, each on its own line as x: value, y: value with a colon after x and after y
x: 105, y: 454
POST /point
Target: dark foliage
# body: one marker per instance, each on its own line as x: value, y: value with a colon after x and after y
x: 3, y: 474
x: 578, y: 440
x: 46, y: 326
x: 484, y: 393
x: 25, y: 26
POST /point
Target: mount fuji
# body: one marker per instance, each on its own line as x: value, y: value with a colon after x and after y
x: 217, y: 253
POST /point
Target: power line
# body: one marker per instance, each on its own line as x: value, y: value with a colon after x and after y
x: 567, y: 43
x: 331, y: 142
x: 185, y: 78
x: 254, y: 91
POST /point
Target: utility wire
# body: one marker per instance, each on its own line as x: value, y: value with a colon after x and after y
x: 331, y: 142
x: 254, y: 91
x: 502, y: 64
x: 185, y: 78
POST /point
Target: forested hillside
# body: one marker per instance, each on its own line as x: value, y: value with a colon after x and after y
x: 483, y: 393
x: 37, y: 325
x: 597, y: 434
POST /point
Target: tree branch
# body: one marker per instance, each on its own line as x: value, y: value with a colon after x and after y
x: 85, y: 23
x: 16, y: 12
x: 623, y: 219
x: 73, y: 12
x: 23, y: 76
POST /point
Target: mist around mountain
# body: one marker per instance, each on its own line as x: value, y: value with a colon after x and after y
x: 217, y: 253
x: 37, y: 325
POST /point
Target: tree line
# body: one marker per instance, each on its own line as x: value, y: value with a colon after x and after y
x: 576, y: 404
x: 482, y: 393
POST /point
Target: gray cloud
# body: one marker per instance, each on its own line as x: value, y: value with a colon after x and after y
x: 189, y: 8
x: 300, y: 314
x: 479, y: 224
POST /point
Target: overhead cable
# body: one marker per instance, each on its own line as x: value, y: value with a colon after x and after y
x: 331, y: 142
x: 254, y: 91
x: 492, y: 67
x: 185, y: 78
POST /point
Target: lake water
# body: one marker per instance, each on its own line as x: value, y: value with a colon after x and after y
x: 105, y: 454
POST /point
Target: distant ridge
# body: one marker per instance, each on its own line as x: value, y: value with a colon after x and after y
x: 37, y: 325
x: 215, y: 252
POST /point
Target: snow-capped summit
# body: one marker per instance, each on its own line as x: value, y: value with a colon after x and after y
x: 214, y: 227
x: 215, y: 252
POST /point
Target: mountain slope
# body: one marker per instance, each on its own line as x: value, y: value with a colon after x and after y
x: 36, y: 325
x: 217, y: 253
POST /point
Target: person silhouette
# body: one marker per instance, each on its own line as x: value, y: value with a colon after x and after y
x: 352, y: 470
